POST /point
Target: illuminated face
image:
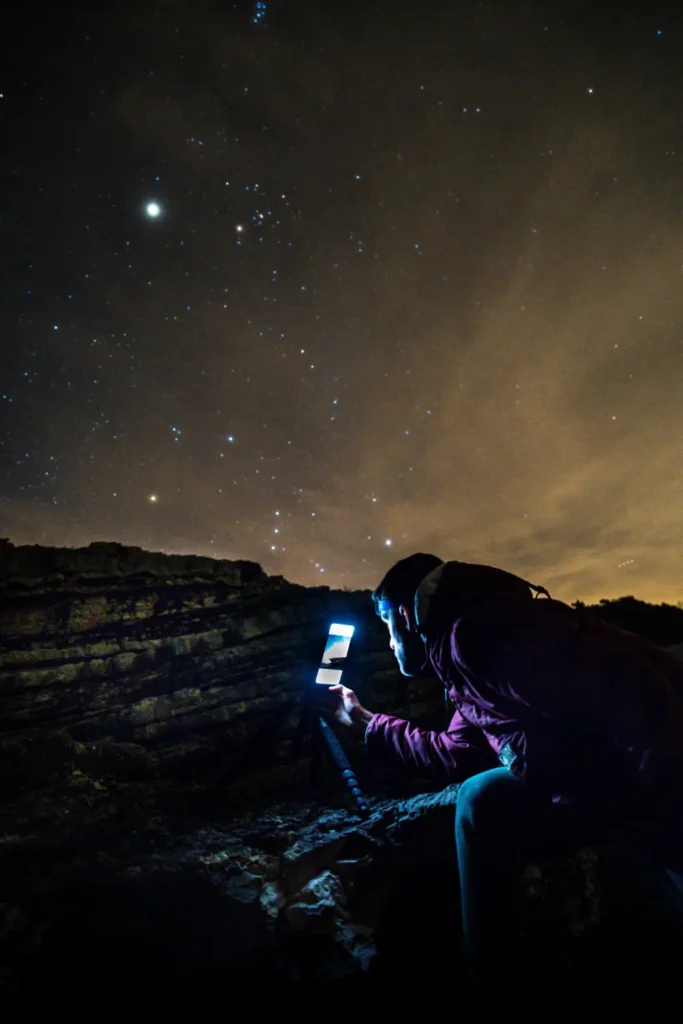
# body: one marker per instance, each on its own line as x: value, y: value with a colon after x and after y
x: 408, y: 647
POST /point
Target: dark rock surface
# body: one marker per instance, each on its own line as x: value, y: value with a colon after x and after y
x: 157, y: 828
x: 202, y: 664
x: 137, y: 882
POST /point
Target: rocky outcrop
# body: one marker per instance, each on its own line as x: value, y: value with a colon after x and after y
x: 146, y: 701
x: 157, y: 828
x: 201, y: 664
x: 125, y: 887
x: 135, y: 881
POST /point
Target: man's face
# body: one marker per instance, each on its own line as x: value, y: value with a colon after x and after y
x: 408, y: 647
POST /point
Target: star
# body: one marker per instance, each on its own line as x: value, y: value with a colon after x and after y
x: 121, y: 332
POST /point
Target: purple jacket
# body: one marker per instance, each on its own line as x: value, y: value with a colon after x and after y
x: 587, y: 712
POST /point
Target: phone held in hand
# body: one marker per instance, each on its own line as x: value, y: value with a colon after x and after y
x: 335, y: 654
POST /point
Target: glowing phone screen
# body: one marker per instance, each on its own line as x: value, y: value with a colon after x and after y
x: 336, y: 650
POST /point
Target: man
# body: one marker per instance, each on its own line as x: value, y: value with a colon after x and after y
x: 565, y: 729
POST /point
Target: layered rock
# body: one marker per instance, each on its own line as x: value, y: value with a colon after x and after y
x: 202, y: 664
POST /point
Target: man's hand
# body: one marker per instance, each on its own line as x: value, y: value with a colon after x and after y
x: 344, y: 705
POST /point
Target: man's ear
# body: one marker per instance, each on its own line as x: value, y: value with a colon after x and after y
x: 405, y: 614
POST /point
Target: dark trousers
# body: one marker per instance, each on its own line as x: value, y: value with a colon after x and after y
x: 499, y: 827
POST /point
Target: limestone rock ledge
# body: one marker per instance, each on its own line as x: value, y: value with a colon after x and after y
x: 200, y: 663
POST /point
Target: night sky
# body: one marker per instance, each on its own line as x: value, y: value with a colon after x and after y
x: 320, y: 285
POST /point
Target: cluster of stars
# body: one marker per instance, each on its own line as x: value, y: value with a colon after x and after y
x: 280, y: 280
x: 260, y: 12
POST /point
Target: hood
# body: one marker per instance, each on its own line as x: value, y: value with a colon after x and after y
x: 451, y: 589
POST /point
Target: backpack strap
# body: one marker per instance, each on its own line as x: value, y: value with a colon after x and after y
x: 539, y: 590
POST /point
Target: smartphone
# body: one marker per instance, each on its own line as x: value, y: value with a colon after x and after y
x: 334, y: 655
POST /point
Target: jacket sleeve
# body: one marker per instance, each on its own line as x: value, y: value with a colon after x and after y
x: 450, y: 756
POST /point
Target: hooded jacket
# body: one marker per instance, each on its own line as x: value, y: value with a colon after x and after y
x: 587, y: 713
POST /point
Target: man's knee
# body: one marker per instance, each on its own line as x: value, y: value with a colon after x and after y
x: 486, y: 797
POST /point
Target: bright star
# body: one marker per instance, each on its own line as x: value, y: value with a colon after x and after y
x: 152, y: 210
